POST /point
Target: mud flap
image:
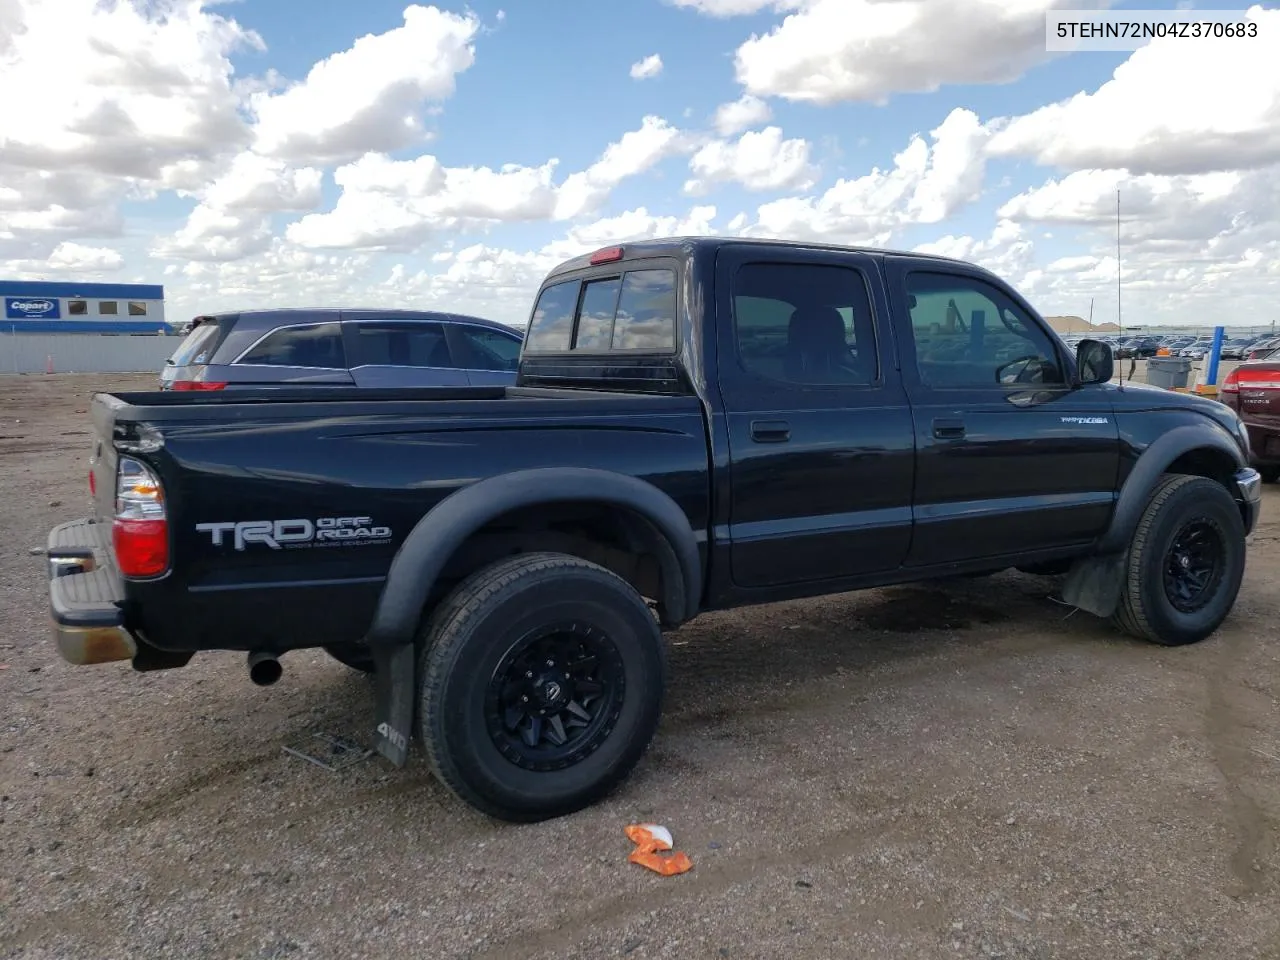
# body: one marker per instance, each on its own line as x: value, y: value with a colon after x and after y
x: 394, y: 690
x: 1094, y: 584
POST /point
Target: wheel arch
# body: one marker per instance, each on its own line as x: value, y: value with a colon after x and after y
x: 1203, y: 450
x: 645, y: 512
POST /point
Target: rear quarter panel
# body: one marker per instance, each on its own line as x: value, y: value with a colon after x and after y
x: 385, y: 463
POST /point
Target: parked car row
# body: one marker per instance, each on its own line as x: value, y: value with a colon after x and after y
x: 361, y: 348
x: 1192, y: 348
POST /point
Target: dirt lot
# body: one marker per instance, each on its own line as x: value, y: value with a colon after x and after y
x: 971, y: 772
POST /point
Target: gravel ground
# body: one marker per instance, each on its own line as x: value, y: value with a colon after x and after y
x: 970, y: 771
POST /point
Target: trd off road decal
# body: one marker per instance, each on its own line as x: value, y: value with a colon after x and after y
x: 298, y: 534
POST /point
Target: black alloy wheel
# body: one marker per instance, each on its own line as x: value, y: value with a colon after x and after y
x: 1185, y: 562
x: 1194, y: 565
x: 555, y: 697
x: 541, y: 685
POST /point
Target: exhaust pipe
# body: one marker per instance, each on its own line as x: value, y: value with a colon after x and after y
x: 264, y: 668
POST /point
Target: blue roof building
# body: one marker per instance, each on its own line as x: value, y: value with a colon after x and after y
x: 38, y: 306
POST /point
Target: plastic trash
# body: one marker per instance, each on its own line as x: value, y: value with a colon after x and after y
x: 651, y: 842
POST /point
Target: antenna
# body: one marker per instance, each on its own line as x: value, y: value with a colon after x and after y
x: 1091, y: 312
x: 1119, y: 318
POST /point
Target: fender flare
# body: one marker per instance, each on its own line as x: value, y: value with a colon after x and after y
x: 449, y: 523
x: 1152, y: 463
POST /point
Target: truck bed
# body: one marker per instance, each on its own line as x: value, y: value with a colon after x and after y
x: 376, y: 460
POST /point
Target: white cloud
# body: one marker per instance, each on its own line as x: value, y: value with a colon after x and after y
x: 758, y: 160
x: 741, y: 114
x: 733, y: 8
x: 1007, y: 252
x: 634, y: 153
x: 214, y: 234
x: 397, y: 204
x: 254, y: 182
x: 371, y: 96
x: 647, y: 68
x: 926, y: 185
x: 867, y: 50
x: 1167, y: 110
x: 76, y: 257
x: 956, y: 168
x: 105, y: 89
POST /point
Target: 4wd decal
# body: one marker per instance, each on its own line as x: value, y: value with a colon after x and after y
x: 296, y: 534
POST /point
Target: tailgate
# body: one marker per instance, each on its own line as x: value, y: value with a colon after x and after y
x: 103, y: 457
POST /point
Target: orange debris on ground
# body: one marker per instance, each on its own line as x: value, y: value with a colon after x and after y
x: 651, y: 842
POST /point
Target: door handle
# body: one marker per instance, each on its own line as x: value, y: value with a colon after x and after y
x: 770, y: 431
x: 948, y: 429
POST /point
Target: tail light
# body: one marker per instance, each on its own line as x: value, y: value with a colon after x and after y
x: 140, y: 530
x: 198, y: 385
x: 1243, y: 378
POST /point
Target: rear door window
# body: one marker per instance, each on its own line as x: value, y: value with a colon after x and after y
x: 400, y: 345
x: 318, y: 346
x: 487, y: 349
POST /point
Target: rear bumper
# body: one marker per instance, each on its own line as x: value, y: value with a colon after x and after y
x: 85, y: 596
x: 1249, y: 496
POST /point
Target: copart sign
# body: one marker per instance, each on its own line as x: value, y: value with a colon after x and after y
x: 31, y: 308
x: 296, y: 534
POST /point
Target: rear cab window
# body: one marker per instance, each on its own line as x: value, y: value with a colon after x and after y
x: 629, y: 310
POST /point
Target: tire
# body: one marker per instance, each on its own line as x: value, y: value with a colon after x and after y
x: 476, y: 662
x: 1269, y: 474
x: 1183, y: 511
x: 355, y: 657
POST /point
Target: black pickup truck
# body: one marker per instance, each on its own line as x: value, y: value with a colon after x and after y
x: 697, y: 424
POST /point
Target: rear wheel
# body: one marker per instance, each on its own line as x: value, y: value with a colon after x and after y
x: 542, y: 685
x: 1185, y: 563
x: 1270, y: 474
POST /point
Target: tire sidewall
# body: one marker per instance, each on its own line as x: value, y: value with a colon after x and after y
x: 455, y: 715
x: 1198, y: 500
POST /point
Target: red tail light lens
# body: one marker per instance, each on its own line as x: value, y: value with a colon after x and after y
x: 1244, y: 378
x: 140, y: 530
x: 141, y: 546
x: 198, y: 385
x: 93, y: 484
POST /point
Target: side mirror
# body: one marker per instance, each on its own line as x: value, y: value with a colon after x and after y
x: 1095, y: 362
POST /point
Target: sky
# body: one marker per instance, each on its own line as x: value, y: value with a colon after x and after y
x: 331, y: 153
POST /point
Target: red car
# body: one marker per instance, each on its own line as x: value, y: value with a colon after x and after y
x: 1252, y: 390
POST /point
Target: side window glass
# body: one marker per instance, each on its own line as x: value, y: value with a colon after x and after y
x: 646, y: 317
x: 968, y: 334
x: 400, y: 345
x: 805, y: 324
x: 488, y: 349
x: 552, y: 321
x: 595, y: 320
x: 318, y: 345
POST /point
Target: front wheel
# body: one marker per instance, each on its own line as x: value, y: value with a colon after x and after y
x: 542, y: 685
x: 1185, y: 563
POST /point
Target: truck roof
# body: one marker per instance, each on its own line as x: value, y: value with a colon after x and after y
x: 686, y: 246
